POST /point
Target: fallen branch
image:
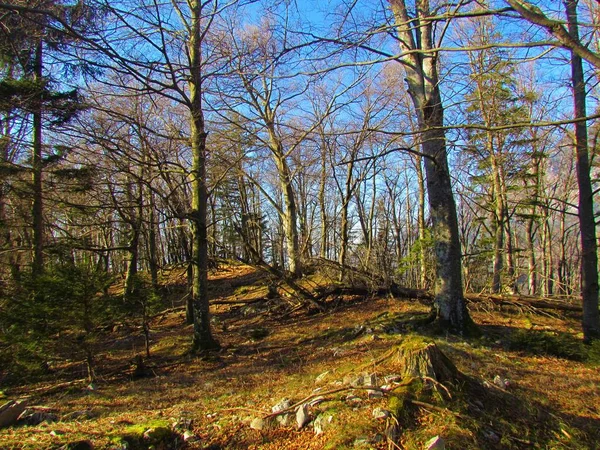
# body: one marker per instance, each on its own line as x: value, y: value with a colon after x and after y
x: 322, y: 394
x: 519, y: 301
x: 47, y: 389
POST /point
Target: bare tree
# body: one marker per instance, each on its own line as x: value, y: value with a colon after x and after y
x: 420, y: 62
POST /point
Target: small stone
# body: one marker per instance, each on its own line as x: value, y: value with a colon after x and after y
x: 302, y: 417
x: 322, y: 377
x: 436, y: 443
x: 362, y: 442
x: 257, y: 424
x: 184, y: 423
x: 501, y: 382
x: 392, y: 379
x: 33, y: 418
x: 370, y: 380
x: 380, y: 413
x: 190, y: 437
x: 284, y: 419
x: 354, y: 380
x: 56, y: 433
x: 10, y: 412
x: 285, y: 403
x: 321, y: 422
x: 374, y: 394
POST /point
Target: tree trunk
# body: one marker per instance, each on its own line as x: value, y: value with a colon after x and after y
x: 498, y: 223
x: 152, y: 247
x: 531, y: 262
x: 587, y: 225
x: 203, y: 339
x: 322, y: 206
x: 290, y: 213
x: 37, y: 211
x: 132, y: 263
x: 421, y: 223
x: 344, y: 234
x: 420, y: 66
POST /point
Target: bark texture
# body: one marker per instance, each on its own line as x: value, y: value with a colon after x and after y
x: 587, y: 224
x: 203, y: 339
x: 420, y: 66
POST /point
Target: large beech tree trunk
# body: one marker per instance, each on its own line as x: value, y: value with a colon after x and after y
x: 420, y: 66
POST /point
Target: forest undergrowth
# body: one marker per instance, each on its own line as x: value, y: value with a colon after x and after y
x: 527, y: 381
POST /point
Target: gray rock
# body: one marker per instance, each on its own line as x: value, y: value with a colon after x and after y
x: 283, y: 419
x: 33, y: 418
x: 302, y: 417
x: 374, y: 394
x: 183, y: 423
x: 380, y: 413
x: 285, y: 403
x: 362, y: 442
x: 354, y: 380
x: 370, y: 380
x: 322, y: 377
x: 392, y: 379
x: 502, y: 383
x: 436, y: 443
x: 258, y: 424
x: 10, y: 412
x: 321, y: 423
x: 190, y: 437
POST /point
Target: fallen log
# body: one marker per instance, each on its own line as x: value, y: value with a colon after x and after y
x: 516, y: 300
x: 428, y: 296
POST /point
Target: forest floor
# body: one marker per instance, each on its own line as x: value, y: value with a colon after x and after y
x: 537, y: 389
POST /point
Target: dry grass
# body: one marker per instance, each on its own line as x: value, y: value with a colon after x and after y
x: 551, y: 403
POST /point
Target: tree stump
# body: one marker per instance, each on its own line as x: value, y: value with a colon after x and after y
x: 425, y: 360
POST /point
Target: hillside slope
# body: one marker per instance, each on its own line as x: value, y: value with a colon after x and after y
x: 529, y: 383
